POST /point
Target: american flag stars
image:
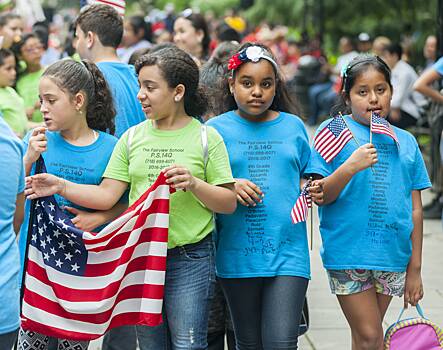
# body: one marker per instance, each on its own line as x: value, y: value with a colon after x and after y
x: 61, y: 251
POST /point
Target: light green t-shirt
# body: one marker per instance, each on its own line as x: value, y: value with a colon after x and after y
x: 150, y: 151
x: 12, y: 108
x: 27, y: 88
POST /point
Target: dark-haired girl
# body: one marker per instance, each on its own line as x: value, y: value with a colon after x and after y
x: 191, y: 34
x: 371, y: 219
x: 169, y: 141
x: 12, y: 106
x: 137, y: 34
x: 77, y: 108
x: 262, y: 259
x: 30, y: 51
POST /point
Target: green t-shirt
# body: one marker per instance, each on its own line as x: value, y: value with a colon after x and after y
x: 27, y: 88
x: 150, y: 151
x: 12, y: 108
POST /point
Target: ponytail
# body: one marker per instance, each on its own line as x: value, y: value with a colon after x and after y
x: 100, y: 111
x: 72, y: 77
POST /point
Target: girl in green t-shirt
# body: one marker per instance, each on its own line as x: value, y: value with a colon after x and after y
x: 170, y: 96
x: 12, y: 107
x: 30, y: 50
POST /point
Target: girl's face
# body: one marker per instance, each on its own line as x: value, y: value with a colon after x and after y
x: 129, y: 36
x: 7, y: 72
x: 12, y: 31
x: 186, y: 37
x: 58, y: 107
x: 155, y: 96
x: 253, y: 89
x: 32, y: 51
x: 371, y: 93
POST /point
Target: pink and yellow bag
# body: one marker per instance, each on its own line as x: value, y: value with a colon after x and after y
x: 417, y: 333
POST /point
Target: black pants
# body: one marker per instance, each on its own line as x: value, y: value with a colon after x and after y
x: 266, y: 311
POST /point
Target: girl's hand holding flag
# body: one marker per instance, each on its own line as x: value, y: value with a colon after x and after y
x: 315, y: 190
x: 362, y: 158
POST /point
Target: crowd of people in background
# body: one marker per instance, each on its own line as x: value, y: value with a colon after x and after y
x: 64, y: 89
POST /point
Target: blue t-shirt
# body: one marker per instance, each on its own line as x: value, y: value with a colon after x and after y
x: 369, y: 225
x: 79, y: 164
x: 261, y: 241
x: 123, y: 83
x: 438, y: 66
x: 12, y: 183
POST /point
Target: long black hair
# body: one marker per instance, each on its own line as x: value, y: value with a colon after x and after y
x: 139, y: 24
x: 178, y: 67
x: 72, y: 76
x: 354, y: 69
x: 283, y: 102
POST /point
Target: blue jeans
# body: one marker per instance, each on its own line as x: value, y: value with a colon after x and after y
x: 120, y: 338
x: 190, y: 275
x: 266, y: 311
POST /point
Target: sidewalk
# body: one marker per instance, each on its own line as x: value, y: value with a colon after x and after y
x: 329, y: 329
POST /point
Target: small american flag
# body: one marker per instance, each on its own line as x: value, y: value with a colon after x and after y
x: 331, y: 140
x: 381, y: 126
x: 80, y: 284
x: 299, y: 211
x: 118, y: 5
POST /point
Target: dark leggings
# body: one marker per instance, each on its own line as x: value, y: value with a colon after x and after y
x: 266, y: 311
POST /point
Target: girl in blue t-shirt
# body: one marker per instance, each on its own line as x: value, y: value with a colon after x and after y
x: 262, y: 259
x: 78, y: 111
x: 371, y: 213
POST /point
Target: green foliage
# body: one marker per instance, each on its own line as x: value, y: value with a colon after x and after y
x: 218, y: 7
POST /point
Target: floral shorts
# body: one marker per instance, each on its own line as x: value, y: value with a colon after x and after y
x: 345, y: 282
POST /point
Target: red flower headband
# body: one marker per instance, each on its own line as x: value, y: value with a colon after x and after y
x: 250, y: 54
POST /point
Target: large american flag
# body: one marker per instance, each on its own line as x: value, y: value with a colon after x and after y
x: 80, y: 284
x: 381, y: 126
x: 118, y: 5
x: 299, y: 211
x: 331, y: 140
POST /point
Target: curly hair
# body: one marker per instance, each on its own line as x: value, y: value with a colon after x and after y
x: 178, y: 67
x: 282, y: 102
x: 72, y: 76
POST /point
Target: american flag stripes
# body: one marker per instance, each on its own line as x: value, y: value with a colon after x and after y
x: 380, y: 125
x: 299, y: 211
x: 118, y: 5
x: 80, y: 284
x: 331, y: 140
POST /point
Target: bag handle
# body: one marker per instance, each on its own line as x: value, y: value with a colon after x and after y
x: 204, y: 140
x: 419, y: 311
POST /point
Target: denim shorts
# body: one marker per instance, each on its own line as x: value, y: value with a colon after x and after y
x: 346, y: 282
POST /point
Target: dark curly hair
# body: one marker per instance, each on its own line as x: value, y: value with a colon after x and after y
x: 178, y: 67
x: 283, y: 102
x: 72, y: 76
